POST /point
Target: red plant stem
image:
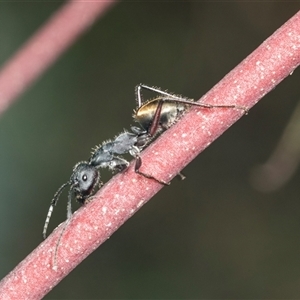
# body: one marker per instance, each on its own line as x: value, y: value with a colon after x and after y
x: 46, y: 45
x: 121, y: 197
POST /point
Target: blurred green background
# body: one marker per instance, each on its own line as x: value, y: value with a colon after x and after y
x: 210, y: 236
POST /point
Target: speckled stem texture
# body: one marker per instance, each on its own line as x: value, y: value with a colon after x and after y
x: 121, y: 197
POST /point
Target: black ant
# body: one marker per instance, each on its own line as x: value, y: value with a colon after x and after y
x: 154, y: 116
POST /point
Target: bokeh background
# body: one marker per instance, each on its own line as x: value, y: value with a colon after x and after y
x: 210, y: 236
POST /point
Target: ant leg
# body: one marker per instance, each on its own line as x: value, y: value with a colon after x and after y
x: 138, y: 164
x: 58, y: 242
x: 205, y: 105
x: 154, y: 125
x: 118, y: 164
x: 139, y: 98
x: 155, y: 90
x: 138, y: 95
x: 69, y: 215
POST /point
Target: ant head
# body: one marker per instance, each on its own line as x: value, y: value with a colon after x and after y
x: 83, y: 181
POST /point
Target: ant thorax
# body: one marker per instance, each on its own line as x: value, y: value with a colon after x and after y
x: 170, y: 113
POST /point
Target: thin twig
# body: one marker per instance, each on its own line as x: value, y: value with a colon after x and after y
x: 121, y: 197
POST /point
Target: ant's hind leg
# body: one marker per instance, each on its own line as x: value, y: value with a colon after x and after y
x: 153, y: 89
x: 179, y: 99
x: 138, y: 164
x: 139, y: 97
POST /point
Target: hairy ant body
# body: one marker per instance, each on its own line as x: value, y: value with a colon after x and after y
x: 154, y: 116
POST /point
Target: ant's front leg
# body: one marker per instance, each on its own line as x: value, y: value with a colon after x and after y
x: 118, y: 164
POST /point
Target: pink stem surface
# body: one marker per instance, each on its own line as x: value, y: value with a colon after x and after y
x: 46, y: 45
x: 122, y: 196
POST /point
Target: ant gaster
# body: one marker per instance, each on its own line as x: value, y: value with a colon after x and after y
x: 154, y: 116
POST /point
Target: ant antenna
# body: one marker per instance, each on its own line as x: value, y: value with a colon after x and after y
x: 53, y: 203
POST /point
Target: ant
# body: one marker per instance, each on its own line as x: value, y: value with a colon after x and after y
x: 154, y: 116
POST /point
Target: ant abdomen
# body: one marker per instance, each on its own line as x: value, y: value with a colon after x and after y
x: 170, y: 113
